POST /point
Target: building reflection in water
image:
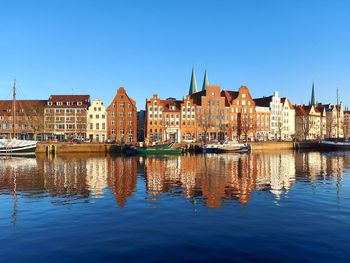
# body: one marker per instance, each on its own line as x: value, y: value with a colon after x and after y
x: 122, y: 177
x: 230, y: 176
x: 211, y: 178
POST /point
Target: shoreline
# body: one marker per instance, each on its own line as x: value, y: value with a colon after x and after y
x: 107, y: 148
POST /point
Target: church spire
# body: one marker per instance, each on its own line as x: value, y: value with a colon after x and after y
x: 193, y: 85
x: 313, y: 100
x: 205, y: 81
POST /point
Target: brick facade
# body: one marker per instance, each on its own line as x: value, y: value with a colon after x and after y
x: 122, y: 118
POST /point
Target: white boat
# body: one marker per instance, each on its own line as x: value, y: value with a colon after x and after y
x: 233, y: 146
x: 14, y: 146
x: 17, y: 147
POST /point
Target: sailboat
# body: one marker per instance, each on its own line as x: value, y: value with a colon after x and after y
x: 14, y: 146
x: 336, y: 144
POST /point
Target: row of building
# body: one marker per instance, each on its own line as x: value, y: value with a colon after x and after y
x: 211, y: 113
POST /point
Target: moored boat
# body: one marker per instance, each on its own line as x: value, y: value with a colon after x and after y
x: 209, y: 148
x: 17, y: 147
x: 335, y: 145
x: 157, y: 149
x: 233, y: 146
x: 14, y: 146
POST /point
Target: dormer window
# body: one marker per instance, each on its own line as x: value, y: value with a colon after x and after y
x: 69, y: 103
x: 79, y: 103
x: 49, y: 103
x: 59, y: 103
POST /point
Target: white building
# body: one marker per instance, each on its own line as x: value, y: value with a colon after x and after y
x: 97, y: 121
x: 282, y: 116
x: 288, y: 119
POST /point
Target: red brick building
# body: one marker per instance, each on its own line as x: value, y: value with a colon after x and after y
x: 122, y: 118
x: 29, y: 120
x: 206, y: 115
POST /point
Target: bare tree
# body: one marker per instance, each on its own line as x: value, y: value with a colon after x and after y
x: 306, y: 125
x: 204, y: 121
x: 35, y: 120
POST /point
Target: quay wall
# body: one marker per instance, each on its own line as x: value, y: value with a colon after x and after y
x: 271, y: 146
x: 78, y: 148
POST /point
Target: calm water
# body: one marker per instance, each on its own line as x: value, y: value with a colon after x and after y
x: 268, y: 207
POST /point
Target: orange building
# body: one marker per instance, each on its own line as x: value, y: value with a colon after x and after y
x: 162, y: 120
x: 122, y: 118
x: 242, y: 113
x: 206, y: 115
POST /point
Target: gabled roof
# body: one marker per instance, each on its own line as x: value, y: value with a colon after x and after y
x: 21, y: 105
x: 69, y: 98
x: 170, y: 102
x: 283, y: 100
x: 229, y: 95
x: 263, y: 102
x: 197, y: 97
x: 302, y: 110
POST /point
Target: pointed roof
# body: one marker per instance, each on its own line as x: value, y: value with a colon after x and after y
x: 193, y: 85
x: 313, y: 100
x: 205, y: 81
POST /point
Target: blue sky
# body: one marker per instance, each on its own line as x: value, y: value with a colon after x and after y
x: 94, y: 47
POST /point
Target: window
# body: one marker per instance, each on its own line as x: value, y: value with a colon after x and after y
x: 79, y: 103
x: 121, y: 96
x: 91, y: 126
x: 121, y: 105
x: 97, y: 116
x: 49, y: 103
x: 97, y: 126
x: 103, y: 126
x: 95, y: 108
x: 59, y: 103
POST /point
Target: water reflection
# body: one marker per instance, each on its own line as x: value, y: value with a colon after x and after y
x: 212, y: 179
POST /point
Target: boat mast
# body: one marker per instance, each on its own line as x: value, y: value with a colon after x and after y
x: 337, y: 108
x: 14, y: 111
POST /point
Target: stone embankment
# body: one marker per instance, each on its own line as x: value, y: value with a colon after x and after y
x: 78, y: 148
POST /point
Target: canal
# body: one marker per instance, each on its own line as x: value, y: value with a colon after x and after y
x: 260, y: 207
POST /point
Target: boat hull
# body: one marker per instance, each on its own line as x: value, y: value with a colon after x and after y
x: 18, y: 148
x: 233, y: 150
x: 330, y: 145
x: 146, y: 151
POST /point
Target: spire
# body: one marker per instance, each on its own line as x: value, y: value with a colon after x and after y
x: 205, y: 81
x: 193, y: 85
x: 313, y: 101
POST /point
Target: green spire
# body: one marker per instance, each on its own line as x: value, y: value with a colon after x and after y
x: 313, y: 101
x: 193, y: 85
x: 205, y: 81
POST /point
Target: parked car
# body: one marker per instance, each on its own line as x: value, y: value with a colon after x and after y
x: 76, y: 141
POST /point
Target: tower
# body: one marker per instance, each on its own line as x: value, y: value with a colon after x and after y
x: 205, y: 81
x: 313, y: 100
x: 193, y: 84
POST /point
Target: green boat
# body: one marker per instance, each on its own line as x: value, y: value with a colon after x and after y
x: 159, y: 149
